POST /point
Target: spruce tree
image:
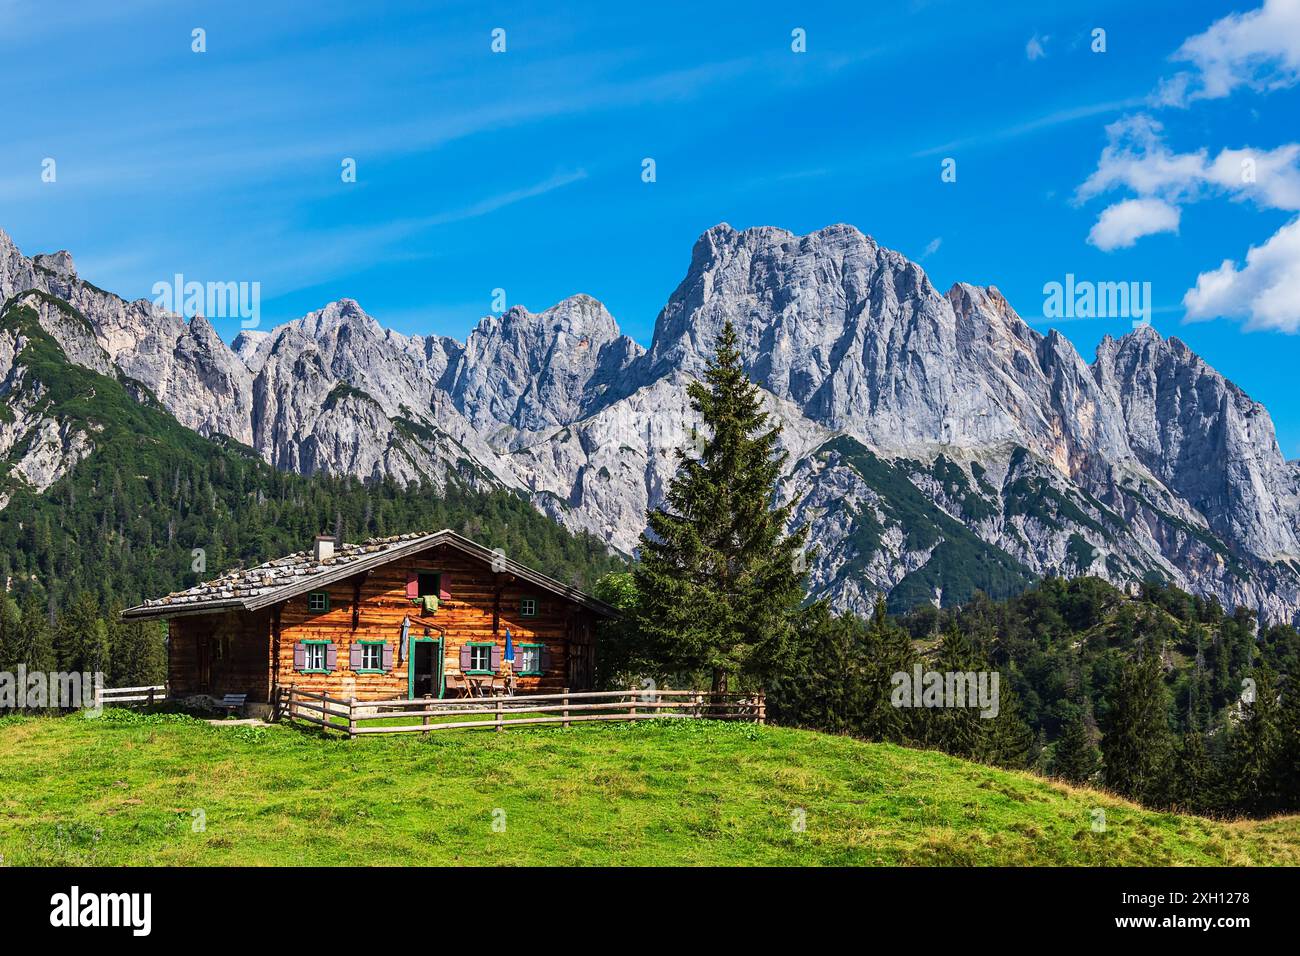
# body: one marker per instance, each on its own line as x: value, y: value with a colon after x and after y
x: 137, y: 652
x: 81, y: 636
x: 11, y: 622
x: 887, y: 651
x: 32, y: 649
x: 35, y: 649
x: 1255, y: 746
x: 1193, y: 786
x: 1137, y: 741
x: 719, y: 582
x: 1075, y: 757
x: 1009, y: 740
x: 826, y: 687
x: 1287, y: 765
x: 957, y: 730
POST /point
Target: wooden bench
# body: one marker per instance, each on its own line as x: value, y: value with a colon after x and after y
x: 232, y: 703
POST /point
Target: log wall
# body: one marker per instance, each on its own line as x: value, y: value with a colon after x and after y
x: 481, y: 605
x: 222, y: 653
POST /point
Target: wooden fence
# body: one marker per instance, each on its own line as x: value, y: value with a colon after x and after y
x: 129, y: 696
x: 352, y: 716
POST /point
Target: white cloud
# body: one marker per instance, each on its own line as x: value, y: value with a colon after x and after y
x: 1121, y: 225
x: 1259, y: 50
x: 1265, y: 292
x: 1035, y: 49
x: 932, y: 247
x: 1137, y: 159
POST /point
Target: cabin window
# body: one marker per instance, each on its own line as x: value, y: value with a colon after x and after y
x: 372, y: 656
x: 528, y: 607
x: 318, y: 601
x: 315, y: 656
x: 427, y: 584
x: 530, y: 660
x: 480, y: 658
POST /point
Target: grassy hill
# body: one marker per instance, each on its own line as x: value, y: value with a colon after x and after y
x: 128, y: 789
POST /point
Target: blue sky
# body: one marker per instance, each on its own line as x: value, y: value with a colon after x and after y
x: 522, y: 170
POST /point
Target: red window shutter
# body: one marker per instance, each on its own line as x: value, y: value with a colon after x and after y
x: 354, y: 656
x: 464, y: 657
x: 546, y: 659
x: 412, y: 585
x: 444, y: 587
x: 299, y: 656
x: 495, y: 658
x: 331, y: 657
x: 388, y: 657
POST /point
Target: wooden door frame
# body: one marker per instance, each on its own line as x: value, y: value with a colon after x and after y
x: 440, y: 655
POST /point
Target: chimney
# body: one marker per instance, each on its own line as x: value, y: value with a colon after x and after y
x: 324, y: 547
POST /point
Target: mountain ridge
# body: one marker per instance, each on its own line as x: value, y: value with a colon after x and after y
x: 1145, y: 461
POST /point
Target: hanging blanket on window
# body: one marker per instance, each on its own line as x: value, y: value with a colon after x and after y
x: 429, y: 603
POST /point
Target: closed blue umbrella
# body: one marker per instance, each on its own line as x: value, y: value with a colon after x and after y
x: 510, y: 657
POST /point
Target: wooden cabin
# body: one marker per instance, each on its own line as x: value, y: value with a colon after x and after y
x: 408, y: 616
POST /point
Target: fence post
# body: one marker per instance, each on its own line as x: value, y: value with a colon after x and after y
x: 150, y: 702
x: 497, y: 728
x: 352, y: 718
x: 762, y: 707
x: 566, y: 708
x: 425, y: 719
x: 632, y: 710
x: 293, y: 712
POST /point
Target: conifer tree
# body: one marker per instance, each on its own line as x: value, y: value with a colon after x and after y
x: 1076, y: 758
x: 1137, y: 741
x: 35, y: 648
x: 827, y: 686
x: 887, y: 651
x: 1287, y: 765
x: 11, y: 621
x: 1009, y: 740
x: 28, y: 645
x: 957, y: 729
x: 137, y: 651
x: 1192, y: 788
x: 719, y: 582
x: 1255, y: 746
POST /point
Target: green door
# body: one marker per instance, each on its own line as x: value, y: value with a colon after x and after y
x: 426, y: 675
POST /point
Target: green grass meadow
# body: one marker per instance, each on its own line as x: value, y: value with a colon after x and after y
x: 159, y: 789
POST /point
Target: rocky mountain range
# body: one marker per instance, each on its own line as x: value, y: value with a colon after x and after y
x: 937, y: 443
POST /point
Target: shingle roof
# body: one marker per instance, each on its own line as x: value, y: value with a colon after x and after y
x: 253, y: 588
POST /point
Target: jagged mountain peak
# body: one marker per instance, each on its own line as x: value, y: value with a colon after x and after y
x: 526, y: 372
x: 966, y: 297
x: 580, y: 315
x: 248, y: 346
x: 57, y: 262
x: 1144, y: 347
x: 338, y: 315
